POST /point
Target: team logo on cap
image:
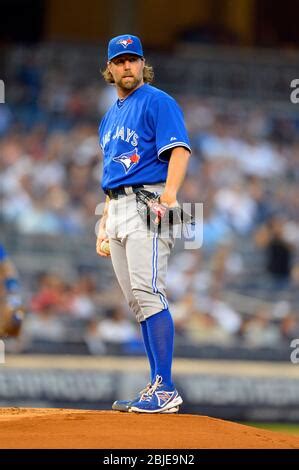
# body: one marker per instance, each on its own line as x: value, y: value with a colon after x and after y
x: 125, y: 42
x: 128, y: 160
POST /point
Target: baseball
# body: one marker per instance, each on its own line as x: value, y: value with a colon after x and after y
x: 105, y: 247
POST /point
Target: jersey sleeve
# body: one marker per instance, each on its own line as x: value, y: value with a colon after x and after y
x: 169, y: 125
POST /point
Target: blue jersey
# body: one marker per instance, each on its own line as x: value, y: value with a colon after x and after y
x: 137, y: 135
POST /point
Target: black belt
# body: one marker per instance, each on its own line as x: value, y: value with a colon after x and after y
x: 121, y: 191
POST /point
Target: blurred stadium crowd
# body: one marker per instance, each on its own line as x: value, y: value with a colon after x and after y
x: 241, y: 287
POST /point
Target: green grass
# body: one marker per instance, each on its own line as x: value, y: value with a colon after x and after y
x: 279, y: 427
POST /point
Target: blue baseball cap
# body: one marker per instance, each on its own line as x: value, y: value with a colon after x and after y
x: 124, y: 44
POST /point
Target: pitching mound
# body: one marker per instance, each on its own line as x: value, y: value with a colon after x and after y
x: 60, y: 428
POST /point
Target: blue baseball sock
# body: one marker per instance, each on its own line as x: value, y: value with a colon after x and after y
x: 160, y: 331
x: 148, y: 350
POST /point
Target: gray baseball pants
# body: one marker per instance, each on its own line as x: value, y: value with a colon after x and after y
x: 139, y: 256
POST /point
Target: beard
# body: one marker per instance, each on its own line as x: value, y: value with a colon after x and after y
x: 128, y: 83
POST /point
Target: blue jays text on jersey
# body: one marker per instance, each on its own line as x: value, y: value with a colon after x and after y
x: 137, y: 135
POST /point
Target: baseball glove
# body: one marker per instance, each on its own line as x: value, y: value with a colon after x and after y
x: 156, y: 214
x: 11, y: 319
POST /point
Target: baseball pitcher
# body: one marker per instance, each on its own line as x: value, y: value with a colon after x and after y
x: 145, y: 157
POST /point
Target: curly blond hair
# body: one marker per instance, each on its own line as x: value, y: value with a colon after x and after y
x: 148, y: 74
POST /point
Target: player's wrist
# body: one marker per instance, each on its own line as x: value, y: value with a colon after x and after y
x: 102, y: 224
x: 102, y: 233
x: 169, y: 198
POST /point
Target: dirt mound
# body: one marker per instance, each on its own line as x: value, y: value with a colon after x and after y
x: 25, y: 428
